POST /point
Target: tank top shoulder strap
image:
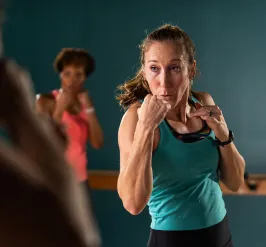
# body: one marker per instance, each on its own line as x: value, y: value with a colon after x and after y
x: 211, y: 132
x: 195, y: 100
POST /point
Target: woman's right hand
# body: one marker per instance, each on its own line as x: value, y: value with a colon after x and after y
x: 153, y: 111
x: 64, y: 100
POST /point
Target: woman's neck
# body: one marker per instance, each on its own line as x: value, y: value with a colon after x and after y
x: 181, y: 112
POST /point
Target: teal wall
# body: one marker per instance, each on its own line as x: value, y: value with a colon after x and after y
x: 230, y: 39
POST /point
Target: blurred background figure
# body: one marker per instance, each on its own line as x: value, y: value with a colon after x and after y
x: 72, y: 109
x: 41, y: 202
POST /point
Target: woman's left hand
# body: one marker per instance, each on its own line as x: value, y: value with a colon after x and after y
x: 212, y: 114
x: 85, y: 99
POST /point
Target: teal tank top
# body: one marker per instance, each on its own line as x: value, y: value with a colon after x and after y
x: 186, y: 194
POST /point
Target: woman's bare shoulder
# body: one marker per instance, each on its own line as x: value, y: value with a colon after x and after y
x: 45, y: 102
x: 204, y: 97
x: 45, y: 96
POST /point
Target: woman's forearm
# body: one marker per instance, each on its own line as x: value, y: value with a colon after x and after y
x: 232, y: 167
x: 44, y: 112
x: 95, y: 131
x: 135, y: 179
x: 58, y: 114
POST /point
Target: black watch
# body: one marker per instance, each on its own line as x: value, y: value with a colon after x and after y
x: 230, y: 139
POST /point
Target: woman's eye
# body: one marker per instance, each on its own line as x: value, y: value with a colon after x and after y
x: 153, y: 68
x: 175, y: 68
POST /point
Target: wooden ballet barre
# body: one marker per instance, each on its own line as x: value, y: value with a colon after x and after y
x: 245, y: 190
x: 103, y: 179
x: 107, y: 180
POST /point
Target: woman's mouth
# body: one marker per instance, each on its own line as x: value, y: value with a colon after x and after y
x: 165, y: 97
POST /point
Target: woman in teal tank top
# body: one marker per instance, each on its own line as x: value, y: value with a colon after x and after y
x: 175, y: 147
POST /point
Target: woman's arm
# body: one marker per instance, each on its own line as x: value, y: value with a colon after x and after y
x: 231, y: 164
x: 135, y: 178
x: 96, y: 137
x: 232, y: 167
x: 45, y: 106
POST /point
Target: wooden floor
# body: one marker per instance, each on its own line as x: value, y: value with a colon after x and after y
x: 107, y: 180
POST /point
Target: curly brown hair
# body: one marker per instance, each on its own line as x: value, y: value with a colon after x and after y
x: 137, y: 88
x: 74, y: 56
